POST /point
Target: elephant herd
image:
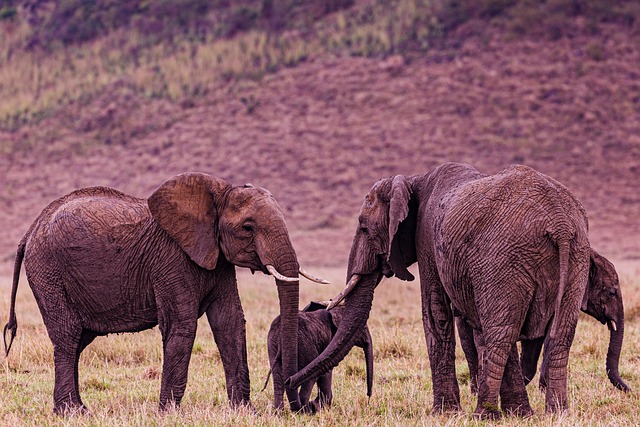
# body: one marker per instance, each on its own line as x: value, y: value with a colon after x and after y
x: 503, y: 258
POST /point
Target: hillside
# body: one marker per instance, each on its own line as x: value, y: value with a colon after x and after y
x: 319, y: 134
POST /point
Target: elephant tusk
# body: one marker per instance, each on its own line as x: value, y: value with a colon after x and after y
x: 279, y: 276
x: 352, y: 284
x: 313, y: 278
x: 613, y: 325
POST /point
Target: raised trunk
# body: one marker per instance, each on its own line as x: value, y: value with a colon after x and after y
x: 613, y: 353
x: 356, y: 314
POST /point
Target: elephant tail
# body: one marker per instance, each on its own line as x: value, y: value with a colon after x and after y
x: 12, y: 324
x: 266, y: 381
x: 563, y: 256
x: 275, y: 360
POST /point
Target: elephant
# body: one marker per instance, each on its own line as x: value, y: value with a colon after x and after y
x: 602, y: 301
x: 316, y: 327
x: 509, y: 252
x: 99, y: 261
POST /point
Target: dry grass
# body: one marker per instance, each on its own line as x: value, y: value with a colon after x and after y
x: 36, y: 83
x: 120, y: 375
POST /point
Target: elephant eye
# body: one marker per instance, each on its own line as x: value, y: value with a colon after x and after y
x: 364, y: 229
x: 247, y: 227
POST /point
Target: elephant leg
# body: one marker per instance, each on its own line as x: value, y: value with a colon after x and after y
x: 177, y: 339
x: 466, y: 333
x: 554, y: 374
x: 438, y: 322
x: 529, y: 359
x: 66, y: 334
x: 513, y: 393
x: 305, y: 394
x: 278, y: 384
x: 494, y: 360
x: 325, y: 393
x: 227, y: 323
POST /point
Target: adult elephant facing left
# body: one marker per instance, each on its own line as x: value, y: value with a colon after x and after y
x: 99, y: 261
x: 509, y: 252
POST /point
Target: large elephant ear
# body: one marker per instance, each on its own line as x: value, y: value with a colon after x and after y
x: 186, y: 208
x: 401, y: 251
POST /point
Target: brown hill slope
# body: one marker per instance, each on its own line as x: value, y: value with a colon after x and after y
x: 320, y: 134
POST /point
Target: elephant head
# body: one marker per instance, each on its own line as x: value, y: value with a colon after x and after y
x: 383, y: 245
x: 603, y: 301
x: 209, y: 219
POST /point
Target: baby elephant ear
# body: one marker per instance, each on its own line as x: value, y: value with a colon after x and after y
x: 186, y: 208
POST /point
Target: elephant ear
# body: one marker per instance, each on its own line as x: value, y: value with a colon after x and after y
x: 186, y: 208
x: 593, y: 277
x: 402, y: 212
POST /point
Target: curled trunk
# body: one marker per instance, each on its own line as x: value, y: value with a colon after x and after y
x: 613, y: 353
x: 356, y: 313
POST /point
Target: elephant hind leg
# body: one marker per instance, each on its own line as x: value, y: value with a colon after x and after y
x: 67, y: 346
x: 68, y: 339
x: 494, y: 360
x: 513, y: 393
x: 325, y: 393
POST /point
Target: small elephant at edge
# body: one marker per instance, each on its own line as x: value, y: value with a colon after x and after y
x: 99, y: 262
x: 316, y: 327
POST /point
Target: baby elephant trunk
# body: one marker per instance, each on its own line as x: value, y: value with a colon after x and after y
x: 613, y: 353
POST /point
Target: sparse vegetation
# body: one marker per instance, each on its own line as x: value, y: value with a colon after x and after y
x: 62, y: 60
x: 122, y: 389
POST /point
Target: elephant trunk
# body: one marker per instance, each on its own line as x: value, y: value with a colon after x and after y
x: 615, y: 346
x: 368, y: 358
x: 356, y: 313
x: 288, y: 294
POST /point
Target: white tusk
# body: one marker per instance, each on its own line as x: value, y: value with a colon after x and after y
x: 279, y: 276
x: 352, y: 284
x: 313, y: 278
x: 613, y: 325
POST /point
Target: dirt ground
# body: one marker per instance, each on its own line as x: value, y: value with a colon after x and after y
x: 320, y: 134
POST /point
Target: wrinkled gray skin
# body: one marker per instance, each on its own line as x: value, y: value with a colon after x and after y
x: 317, y: 325
x: 602, y: 301
x: 509, y: 252
x: 99, y: 261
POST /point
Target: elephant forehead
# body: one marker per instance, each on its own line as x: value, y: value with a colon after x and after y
x: 252, y: 199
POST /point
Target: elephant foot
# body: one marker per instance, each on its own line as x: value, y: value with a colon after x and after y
x: 555, y: 406
x: 168, y: 406
x: 446, y: 407
x: 487, y: 411
x: 67, y: 409
x: 522, y: 410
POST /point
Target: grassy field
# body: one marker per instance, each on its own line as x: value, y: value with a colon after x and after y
x: 120, y: 374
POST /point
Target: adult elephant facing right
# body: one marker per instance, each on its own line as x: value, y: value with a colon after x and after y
x: 509, y: 252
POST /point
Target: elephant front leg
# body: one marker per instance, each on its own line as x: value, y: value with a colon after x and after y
x: 177, y: 345
x: 438, y: 324
x: 227, y: 322
x: 469, y: 347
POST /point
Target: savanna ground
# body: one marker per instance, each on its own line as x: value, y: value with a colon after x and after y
x: 120, y: 374
x: 317, y: 113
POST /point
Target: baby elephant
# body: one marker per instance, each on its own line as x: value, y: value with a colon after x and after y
x: 316, y: 327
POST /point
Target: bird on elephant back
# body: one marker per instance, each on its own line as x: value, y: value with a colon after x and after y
x: 510, y: 252
x: 99, y: 261
x: 602, y: 301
